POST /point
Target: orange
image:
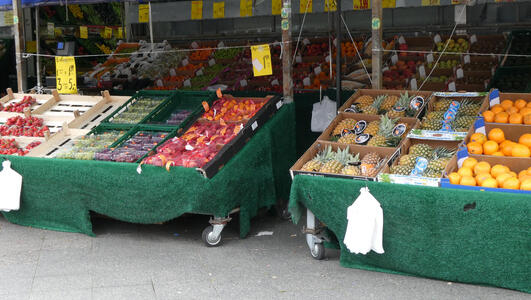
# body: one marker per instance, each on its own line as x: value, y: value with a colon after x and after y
x: 516, y: 118
x: 522, y: 173
x: 506, y: 104
x: 490, y: 147
x: 508, y: 149
x: 490, y: 182
x: 501, y: 117
x: 528, y: 104
x: 529, y: 170
x: 526, y: 184
x: 513, y: 174
x: 464, y: 171
x: 498, y: 153
x: 520, y: 150
x: 454, y: 178
x: 497, y: 135
x: 520, y: 103
x: 497, y: 109
x: 498, y: 169
x: 478, y: 137
x: 511, y: 110
x: 474, y: 148
x: 482, y: 177
x: 467, y: 180
x: 502, y: 177
x: 470, y: 162
x: 511, y: 183
x: 505, y: 143
x: 482, y: 167
x: 488, y: 116
x: 525, y: 139
x: 525, y: 111
x: 527, y: 119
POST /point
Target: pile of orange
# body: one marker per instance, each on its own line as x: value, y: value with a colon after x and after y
x: 496, y: 144
x: 474, y: 173
x: 509, y: 111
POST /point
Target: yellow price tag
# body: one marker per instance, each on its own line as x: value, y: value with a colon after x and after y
x: 31, y: 46
x: 361, y: 4
x: 107, y: 32
x: 57, y: 32
x: 261, y: 58
x: 388, y: 3
x: 330, y: 5
x: 431, y: 2
x: 457, y: 2
x: 218, y: 10
x: 83, y: 32
x: 197, y: 10
x: 246, y: 8
x: 276, y: 7
x: 65, y: 74
x: 304, y: 4
x: 120, y: 33
x: 8, y: 18
x: 143, y: 13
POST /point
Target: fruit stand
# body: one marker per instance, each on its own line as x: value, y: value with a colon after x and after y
x: 81, y: 169
x: 437, y: 223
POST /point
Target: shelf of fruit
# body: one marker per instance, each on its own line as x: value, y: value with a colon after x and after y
x: 514, y: 108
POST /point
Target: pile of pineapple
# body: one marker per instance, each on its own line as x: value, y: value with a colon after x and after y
x: 384, y: 104
x: 465, y: 118
x: 437, y: 158
x: 381, y: 132
x: 343, y: 162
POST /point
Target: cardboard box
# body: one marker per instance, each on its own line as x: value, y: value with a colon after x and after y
x: 385, y: 153
x: 512, y: 131
x: 374, y: 93
x: 412, y: 123
x: 516, y: 164
x: 386, y: 176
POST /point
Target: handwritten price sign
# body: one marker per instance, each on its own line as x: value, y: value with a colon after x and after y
x: 261, y: 56
x: 65, y: 74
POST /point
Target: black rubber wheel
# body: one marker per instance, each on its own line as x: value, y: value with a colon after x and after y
x: 318, y: 251
x: 209, y: 239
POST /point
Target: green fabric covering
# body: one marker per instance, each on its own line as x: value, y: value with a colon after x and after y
x: 426, y: 231
x: 58, y: 194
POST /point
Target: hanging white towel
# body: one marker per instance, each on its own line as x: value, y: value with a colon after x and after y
x: 365, y: 225
x: 323, y: 113
x: 10, y: 185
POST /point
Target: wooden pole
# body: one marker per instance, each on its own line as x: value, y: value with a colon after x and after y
x: 338, y: 53
x: 376, y: 25
x: 37, y: 46
x: 287, y: 81
x: 18, y: 32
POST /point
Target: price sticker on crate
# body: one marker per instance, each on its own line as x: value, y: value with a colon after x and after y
x: 83, y: 32
x: 107, y: 32
x: 65, y: 73
x: 261, y: 58
x: 143, y: 13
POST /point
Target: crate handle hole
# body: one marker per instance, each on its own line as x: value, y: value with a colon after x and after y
x: 469, y: 206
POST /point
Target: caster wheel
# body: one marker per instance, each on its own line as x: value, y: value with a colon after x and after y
x: 209, y: 238
x: 318, y: 251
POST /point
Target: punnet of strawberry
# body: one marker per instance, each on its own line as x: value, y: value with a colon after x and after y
x: 23, y: 126
x: 19, y: 106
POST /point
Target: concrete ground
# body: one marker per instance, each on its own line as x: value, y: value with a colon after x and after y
x: 129, y: 261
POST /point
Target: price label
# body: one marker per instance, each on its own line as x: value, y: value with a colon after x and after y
x: 31, y: 46
x: 243, y: 82
x: 388, y: 3
x: 394, y: 59
x: 306, y: 81
x: 275, y: 82
x: 466, y: 59
x: 422, y: 71
x: 107, y: 32
x: 473, y: 39
x: 459, y: 73
x: 160, y: 83
x: 429, y: 58
x: 58, y: 32
x: 328, y: 58
x: 261, y: 58
x: 221, y: 44
x: 246, y: 8
x: 317, y: 70
x: 218, y: 10
x: 8, y: 18
x: 431, y: 2
x: 185, y: 62
x: 361, y: 4
x: 197, y: 10
x: 330, y: 5
x: 298, y: 59
x: 65, y: 73
x: 437, y: 38
x: 143, y: 13
x: 305, y: 6
x: 305, y: 41
x: 451, y: 86
x: 172, y: 72
x: 50, y: 27
x: 199, y: 72
x: 187, y: 83
x: 401, y: 40
x: 276, y: 7
x: 211, y: 62
x: 195, y: 45
x: 120, y: 33
x: 83, y: 32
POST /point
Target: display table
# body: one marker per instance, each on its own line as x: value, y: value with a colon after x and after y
x: 428, y: 233
x: 58, y: 194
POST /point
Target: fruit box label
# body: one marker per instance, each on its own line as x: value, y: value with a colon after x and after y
x: 436, y: 135
x: 411, y: 180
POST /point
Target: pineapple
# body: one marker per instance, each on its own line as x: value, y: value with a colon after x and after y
x: 347, y: 139
x: 335, y: 165
x: 372, y: 128
x: 422, y: 150
x: 464, y: 121
x: 407, y: 160
x: 468, y: 108
x: 435, y: 115
x: 364, y: 100
x: 369, y: 164
x: 389, y: 102
x: 375, y: 106
x: 344, y: 124
x: 432, y: 124
x: 350, y: 168
x: 402, y: 102
x: 377, y: 141
x: 385, y: 137
x: 442, y: 104
x: 432, y: 173
x: 317, y: 162
x: 401, y: 170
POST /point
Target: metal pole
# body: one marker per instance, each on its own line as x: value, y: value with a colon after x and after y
x: 37, y: 45
x: 18, y: 33
x: 338, y: 53
x: 150, y: 26
x: 376, y: 25
x: 287, y: 81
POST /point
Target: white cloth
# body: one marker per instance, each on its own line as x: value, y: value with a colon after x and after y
x: 365, y: 225
x: 323, y: 113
